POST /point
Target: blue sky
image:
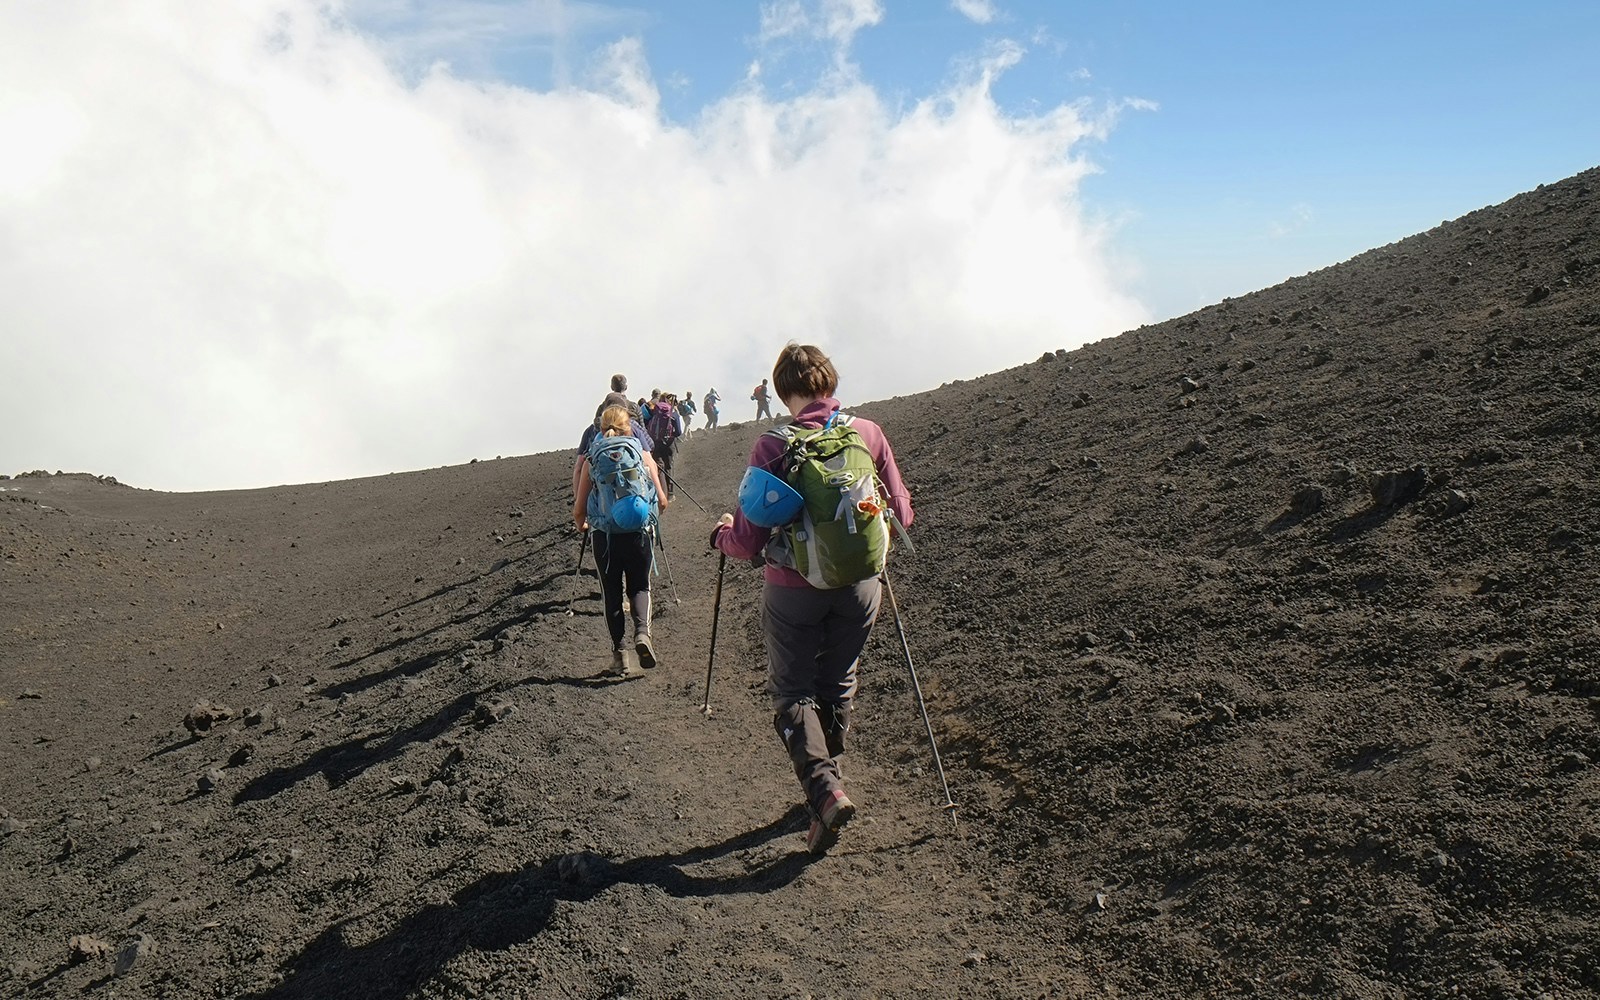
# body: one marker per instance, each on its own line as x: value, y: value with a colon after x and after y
x: 1268, y: 138
x: 303, y: 240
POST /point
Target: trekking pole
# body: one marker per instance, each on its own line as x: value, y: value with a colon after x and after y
x: 578, y: 569
x: 679, y: 487
x: 916, y: 686
x: 716, y: 612
x: 666, y: 563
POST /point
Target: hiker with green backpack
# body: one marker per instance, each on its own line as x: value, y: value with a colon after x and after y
x: 816, y: 504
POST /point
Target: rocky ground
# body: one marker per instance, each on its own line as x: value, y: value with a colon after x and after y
x: 1260, y: 645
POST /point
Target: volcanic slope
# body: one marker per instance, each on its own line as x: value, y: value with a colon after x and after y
x: 1260, y: 647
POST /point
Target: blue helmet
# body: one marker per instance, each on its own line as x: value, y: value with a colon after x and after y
x: 630, y: 513
x: 768, y: 501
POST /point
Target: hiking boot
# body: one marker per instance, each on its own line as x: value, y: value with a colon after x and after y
x: 646, y: 651
x: 836, y: 811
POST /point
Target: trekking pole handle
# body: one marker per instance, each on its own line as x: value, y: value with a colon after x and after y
x: 899, y: 532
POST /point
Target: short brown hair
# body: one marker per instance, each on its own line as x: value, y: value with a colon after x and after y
x: 803, y: 370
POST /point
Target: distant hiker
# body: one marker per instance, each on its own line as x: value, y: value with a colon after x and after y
x: 617, y: 500
x: 711, y: 400
x: 824, y: 535
x: 665, y: 426
x: 686, y: 412
x: 763, y: 401
x: 619, y: 386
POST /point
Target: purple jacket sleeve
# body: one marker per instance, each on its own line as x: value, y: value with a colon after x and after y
x: 744, y: 540
x: 888, y: 471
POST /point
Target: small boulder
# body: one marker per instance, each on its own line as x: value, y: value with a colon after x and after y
x: 496, y: 709
x: 260, y: 716
x: 1450, y: 503
x: 1308, y: 498
x: 134, y: 952
x: 1393, y: 487
x: 86, y: 948
x: 1197, y: 445
x: 205, y: 716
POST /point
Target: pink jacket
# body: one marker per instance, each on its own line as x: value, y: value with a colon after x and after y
x: 744, y: 540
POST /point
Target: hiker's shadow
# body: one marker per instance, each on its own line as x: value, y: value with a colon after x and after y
x: 504, y: 909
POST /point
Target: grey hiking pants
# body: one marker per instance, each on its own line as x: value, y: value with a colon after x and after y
x: 814, y: 641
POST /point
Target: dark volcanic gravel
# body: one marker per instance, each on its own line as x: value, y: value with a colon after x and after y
x: 1261, y: 646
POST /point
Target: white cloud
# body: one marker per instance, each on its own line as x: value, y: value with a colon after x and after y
x: 243, y: 249
x: 979, y: 11
x: 415, y: 34
x: 834, y: 21
x: 784, y: 19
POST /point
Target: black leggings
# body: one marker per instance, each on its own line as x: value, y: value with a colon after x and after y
x: 624, y: 557
x: 662, y: 453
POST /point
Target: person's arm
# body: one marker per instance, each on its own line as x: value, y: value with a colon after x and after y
x: 580, y: 490
x: 583, y: 452
x: 734, y: 534
x: 655, y: 477
x: 899, y: 495
x: 642, y: 435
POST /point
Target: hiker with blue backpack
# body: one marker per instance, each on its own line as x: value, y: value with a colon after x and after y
x: 817, y: 504
x: 686, y: 413
x: 636, y: 425
x: 711, y: 399
x: 617, y: 500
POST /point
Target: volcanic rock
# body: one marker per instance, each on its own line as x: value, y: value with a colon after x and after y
x: 205, y: 716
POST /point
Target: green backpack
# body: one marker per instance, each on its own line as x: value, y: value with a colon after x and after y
x: 842, y: 535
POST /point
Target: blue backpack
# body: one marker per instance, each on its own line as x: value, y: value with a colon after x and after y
x: 622, y: 497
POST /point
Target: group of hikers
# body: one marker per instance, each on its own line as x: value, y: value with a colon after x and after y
x: 817, y: 508
x: 677, y: 415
